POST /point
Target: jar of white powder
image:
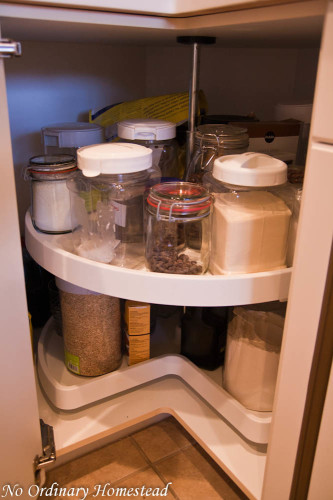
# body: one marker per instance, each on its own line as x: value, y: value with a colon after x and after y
x: 50, y: 200
x: 252, y: 211
x: 252, y: 354
x: 107, y: 201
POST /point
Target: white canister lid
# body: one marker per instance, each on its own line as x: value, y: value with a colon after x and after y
x: 250, y: 169
x: 146, y: 130
x: 66, y: 286
x: 113, y: 158
x: 72, y: 134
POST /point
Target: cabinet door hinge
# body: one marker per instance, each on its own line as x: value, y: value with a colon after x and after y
x: 9, y: 48
x: 49, y: 451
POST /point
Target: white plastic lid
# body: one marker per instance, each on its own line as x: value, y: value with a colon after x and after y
x: 72, y: 134
x: 113, y: 158
x: 250, y: 169
x: 66, y: 286
x: 146, y: 129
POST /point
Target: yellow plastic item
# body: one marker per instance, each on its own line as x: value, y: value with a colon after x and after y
x: 169, y: 107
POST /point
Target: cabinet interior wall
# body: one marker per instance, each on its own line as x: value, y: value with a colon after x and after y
x: 59, y: 81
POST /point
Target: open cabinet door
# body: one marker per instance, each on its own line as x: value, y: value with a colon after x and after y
x: 306, y: 353
x: 20, y: 436
x: 321, y: 485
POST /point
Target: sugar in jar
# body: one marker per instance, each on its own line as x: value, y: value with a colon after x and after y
x: 50, y: 200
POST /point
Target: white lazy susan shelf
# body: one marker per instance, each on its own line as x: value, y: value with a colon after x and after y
x: 54, y: 253
x: 68, y: 391
x: 191, y: 404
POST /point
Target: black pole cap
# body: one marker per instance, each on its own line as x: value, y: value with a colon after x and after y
x: 190, y: 40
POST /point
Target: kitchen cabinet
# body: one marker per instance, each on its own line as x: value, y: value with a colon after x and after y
x: 172, y: 8
x: 76, y: 52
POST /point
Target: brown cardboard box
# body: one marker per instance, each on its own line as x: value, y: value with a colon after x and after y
x: 137, y: 331
x: 272, y: 137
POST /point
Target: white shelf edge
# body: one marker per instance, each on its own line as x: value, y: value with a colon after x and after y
x: 68, y: 391
x: 170, y: 289
x: 243, y: 462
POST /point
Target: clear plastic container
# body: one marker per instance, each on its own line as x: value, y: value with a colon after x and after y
x: 107, y: 203
x: 66, y: 138
x: 91, y: 325
x: 159, y: 136
x: 212, y: 141
x: 178, y: 228
x: 252, y: 211
x: 252, y: 354
x: 50, y: 199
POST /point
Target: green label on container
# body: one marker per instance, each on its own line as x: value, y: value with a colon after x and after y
x: 72, y: 362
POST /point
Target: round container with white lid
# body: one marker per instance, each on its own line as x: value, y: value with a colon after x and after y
x: 252, y: 211
x: 212, y: 141
x: 66, y: 138
x: 159, y: 136
x: 107, y: 201
x: 50, y: 199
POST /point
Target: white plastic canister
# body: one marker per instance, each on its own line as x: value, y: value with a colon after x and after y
x: 252, y: 211
x: 159, y: 136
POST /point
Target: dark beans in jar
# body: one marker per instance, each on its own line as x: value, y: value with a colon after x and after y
x: 164, y: 258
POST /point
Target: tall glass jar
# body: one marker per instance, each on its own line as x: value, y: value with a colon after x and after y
x: 178, y: 228
x: 212, y: 141
x: 252, y: 354
x: 107, y: 203
x: 159, y: 136
x: 50, y: 200
x: 252, y: 211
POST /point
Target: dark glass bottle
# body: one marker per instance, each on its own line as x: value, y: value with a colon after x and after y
x: 203, y: 335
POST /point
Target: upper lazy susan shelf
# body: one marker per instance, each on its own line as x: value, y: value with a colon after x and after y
x: 51, y: 252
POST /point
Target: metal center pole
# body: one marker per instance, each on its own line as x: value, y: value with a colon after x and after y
x: 193, y: 102
x: 196, y: 41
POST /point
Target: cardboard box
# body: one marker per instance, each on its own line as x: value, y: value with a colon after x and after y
x: 272, y: 137
x: 137, y: 331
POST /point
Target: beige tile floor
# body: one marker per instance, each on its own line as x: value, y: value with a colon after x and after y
x: 160, y: 454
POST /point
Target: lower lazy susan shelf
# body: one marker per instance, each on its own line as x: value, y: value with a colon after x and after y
x: 68, y: 391
x: 80, y: 431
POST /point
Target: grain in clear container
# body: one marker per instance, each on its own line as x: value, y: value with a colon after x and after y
x: 91, y: 330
